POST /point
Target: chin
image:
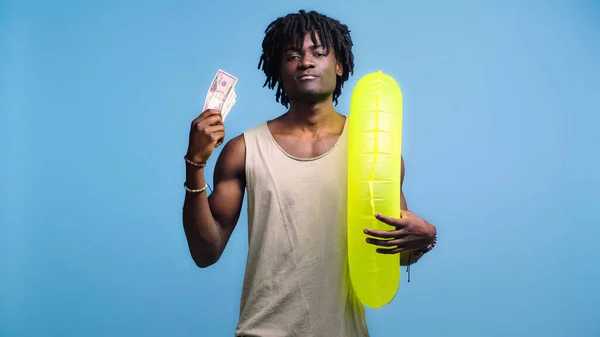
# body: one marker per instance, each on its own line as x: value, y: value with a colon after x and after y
x: 310, y: 96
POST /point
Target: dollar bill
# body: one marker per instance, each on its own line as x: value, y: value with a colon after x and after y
x: 229, y: 103
x: 220, y: 91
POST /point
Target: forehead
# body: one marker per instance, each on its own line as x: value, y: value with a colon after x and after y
x: 308, y: 40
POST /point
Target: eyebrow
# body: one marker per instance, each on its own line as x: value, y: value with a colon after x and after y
x: 293, y: 48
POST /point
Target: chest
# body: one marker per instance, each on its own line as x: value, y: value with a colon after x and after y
x: 308, y: 182
x: 303, y: 178
x: 298, y: 207
x: 305, y: 147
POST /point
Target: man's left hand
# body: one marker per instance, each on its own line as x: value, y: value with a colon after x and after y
x: 411, y: 233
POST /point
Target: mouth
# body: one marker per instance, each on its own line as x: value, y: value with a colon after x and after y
x: 307, y: 77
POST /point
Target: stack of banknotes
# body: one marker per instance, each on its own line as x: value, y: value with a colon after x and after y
x: 221, y: 93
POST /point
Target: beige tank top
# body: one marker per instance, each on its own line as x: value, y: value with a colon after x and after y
x: 297, y: 280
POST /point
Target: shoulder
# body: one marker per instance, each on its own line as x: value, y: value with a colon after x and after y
x: 232, y: 158
x: 233, y: 155
x: 235, y: 145
x: 254, y: 130
x: 256, y: 135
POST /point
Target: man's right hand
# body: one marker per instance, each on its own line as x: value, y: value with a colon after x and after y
x: 207, y: 132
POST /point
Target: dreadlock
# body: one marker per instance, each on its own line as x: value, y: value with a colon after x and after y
x: 292, y: 28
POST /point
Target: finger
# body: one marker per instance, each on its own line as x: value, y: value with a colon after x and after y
x: 210, y: 112
x: 213, y: 120
x: 206, y: 114
x: 384, y: 243
x: 386, y: 234
x: 209, y: 130
x: 218, y: 138
x: 384, y: 218
x: 216, y: 135
x: 395, y: 250
x: 216, y: 132
x: 410, y: 243
x: 390, y: 221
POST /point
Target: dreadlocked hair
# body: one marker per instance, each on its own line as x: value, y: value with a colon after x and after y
x: 291, y: 29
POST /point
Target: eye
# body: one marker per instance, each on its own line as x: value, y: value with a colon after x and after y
x: 292, y: 57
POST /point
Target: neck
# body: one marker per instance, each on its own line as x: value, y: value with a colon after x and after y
x: 311, y: 115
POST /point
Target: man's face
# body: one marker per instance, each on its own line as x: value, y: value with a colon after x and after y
x: 309, y: 75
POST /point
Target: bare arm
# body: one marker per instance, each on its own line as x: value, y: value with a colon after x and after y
x: 411, y: 233
x: 404, y: 206
x: 408, y: 257
x: 209, y: 221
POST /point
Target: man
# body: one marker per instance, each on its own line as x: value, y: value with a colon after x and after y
x: 294, y: 169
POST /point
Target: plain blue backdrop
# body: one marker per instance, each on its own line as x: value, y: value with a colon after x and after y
x: 501, y: 145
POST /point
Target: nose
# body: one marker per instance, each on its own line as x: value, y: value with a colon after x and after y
x: 307, y: 61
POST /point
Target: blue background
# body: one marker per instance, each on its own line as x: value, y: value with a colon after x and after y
x: 501, y: 145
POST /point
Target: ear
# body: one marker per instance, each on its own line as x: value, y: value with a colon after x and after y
x: 339, y: 69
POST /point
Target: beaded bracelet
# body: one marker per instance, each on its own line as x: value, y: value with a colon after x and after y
x: 430, y: 247
x: 200, y: 165
x: 195, y: 191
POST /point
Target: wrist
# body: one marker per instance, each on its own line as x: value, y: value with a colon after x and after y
x: 195, y: 190
x: 432, y: 242
x: 194, y: 174
x: 432, y: 233
x: 194, y: 163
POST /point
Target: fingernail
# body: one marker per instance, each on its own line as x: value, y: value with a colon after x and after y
x: 366, y: 231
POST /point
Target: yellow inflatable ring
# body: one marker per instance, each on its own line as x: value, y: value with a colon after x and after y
x: 374, y: 164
